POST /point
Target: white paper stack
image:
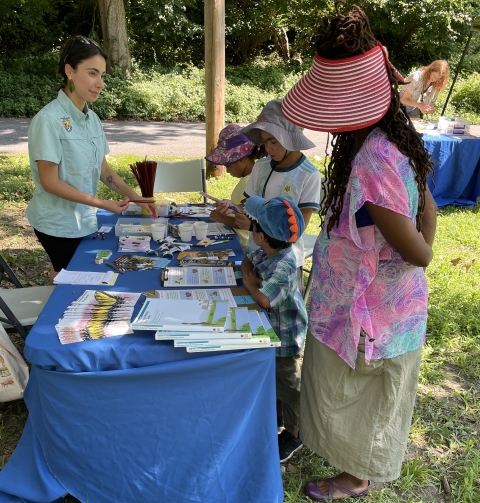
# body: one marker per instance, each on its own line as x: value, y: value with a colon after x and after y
x: 65, y: 277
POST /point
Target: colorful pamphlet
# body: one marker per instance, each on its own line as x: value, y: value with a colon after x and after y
x: 210, y: 255
x: 95, y: 315
x: 198, y: 276
x: 134, y: 243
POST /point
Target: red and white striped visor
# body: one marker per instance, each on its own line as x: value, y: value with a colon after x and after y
x: 341, y: 95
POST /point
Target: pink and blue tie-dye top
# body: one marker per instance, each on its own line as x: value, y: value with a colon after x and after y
x: 360, y: 281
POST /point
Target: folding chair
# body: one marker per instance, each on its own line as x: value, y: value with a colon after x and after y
x: 20, y: 306
x: 181, y: 176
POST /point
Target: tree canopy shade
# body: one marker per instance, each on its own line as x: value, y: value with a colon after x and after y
x: 171, y: 32
x: 417, y: 32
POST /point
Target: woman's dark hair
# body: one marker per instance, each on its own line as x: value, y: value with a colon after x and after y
x: 343, y: 37
x: 276, y: 244
x: 76, y: 50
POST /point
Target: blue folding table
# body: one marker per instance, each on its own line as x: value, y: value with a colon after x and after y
x: 133, y: 420
x: 456, y: 171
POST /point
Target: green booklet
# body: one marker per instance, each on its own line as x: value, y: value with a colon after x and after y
x: 171, y: 315
x: 264, y: 337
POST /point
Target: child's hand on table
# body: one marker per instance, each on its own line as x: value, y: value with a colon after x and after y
x: 251, y: 279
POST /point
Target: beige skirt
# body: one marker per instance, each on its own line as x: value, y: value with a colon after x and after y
x: 358, y: 419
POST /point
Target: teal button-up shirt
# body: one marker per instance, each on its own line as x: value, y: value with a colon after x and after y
x: 74, y: 140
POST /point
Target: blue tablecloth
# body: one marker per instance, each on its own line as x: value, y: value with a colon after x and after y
x: 130, y: 419
x: 456, y: 170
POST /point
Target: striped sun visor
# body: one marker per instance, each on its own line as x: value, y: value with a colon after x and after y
x: 341, y: 95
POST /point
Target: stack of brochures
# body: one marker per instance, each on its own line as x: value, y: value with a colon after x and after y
x: 206, y: 325
x: 95, y: 315
x: 244, y: 330
x: 134, y: 243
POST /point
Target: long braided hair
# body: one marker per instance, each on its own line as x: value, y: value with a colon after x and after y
x: 342, y: 37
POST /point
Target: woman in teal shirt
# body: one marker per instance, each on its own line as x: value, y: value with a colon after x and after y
x: 67, y: 149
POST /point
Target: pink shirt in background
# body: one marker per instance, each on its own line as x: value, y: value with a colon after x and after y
x: 360, y: 281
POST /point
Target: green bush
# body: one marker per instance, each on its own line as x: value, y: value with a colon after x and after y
x: 466, y: 95
x: 23, y: 95
x: 178, y: 94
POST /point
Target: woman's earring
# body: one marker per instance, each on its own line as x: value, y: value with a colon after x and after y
x: 71, y: 86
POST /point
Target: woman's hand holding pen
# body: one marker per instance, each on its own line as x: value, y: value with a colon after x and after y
x: 115, y: 206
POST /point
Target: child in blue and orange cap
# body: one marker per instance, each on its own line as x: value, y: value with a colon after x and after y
x: 270, y: 275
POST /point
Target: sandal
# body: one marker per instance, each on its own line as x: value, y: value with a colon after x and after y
x: 313, y: 492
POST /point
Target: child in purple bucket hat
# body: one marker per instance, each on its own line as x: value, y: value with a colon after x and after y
x: 238, y: 154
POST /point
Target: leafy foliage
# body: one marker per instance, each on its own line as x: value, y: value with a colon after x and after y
x: 418, y: 32
x: 172, y: 31
x: 23, y: 95
x: 466, y: 98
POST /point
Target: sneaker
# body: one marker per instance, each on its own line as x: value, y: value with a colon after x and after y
x: 280, y: 424
x: 288, y: 445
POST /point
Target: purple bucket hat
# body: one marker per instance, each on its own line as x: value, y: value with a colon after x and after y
x: 232, y: 146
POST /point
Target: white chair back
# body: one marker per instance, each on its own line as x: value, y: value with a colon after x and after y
x: 181, y: 176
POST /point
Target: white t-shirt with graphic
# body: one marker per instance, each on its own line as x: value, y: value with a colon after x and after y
x: 299, y: 183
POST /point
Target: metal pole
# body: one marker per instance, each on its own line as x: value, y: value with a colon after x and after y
x: 457, y: 71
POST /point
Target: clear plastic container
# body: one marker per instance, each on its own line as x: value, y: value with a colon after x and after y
x: 134, y: 226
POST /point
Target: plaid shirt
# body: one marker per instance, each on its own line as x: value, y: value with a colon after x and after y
x: 288, y: 314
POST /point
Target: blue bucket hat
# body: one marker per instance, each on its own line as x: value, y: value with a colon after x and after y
x: 280, y: 218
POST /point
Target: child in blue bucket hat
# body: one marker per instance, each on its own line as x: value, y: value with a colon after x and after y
x: 270, y: 275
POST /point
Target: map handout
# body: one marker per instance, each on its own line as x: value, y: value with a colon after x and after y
x: 198, y: 276
x: 170, y: 314
x: 194, y: 294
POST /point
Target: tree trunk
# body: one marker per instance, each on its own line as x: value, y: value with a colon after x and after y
x: 114, y: 28
x: 214, y: 76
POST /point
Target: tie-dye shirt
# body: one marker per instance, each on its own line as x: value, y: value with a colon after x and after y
x: 360, y: 281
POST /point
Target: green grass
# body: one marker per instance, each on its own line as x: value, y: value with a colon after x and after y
x: 443, y: 459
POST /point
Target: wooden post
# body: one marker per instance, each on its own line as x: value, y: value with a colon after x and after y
x: 214, y: 76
